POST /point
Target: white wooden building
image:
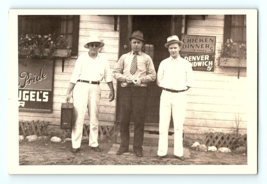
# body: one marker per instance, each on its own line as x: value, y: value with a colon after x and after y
x: 214, y: 102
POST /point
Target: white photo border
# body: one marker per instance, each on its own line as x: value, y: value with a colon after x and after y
x: 252, y: 62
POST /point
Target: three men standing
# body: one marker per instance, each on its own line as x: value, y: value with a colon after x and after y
x: 89, y: 70
x: 175, y: 77
x: 134, y: 70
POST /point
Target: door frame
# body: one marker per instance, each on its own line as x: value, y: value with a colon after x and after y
x: 125, y: 31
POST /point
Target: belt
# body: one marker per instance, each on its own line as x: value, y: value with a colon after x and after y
x: 90, y: 82
x: 174, y: 91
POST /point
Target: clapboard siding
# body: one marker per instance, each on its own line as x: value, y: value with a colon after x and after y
x: 192, y: 106
x: 97, y: 18
x: 206, y: 30
x: 108, y: 35
x: 208, y: 22
x: 202, y: 130
x: 216, y: 98
x: 71, y: 63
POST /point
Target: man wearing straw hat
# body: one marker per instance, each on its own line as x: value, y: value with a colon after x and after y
x: 134, y: 70
x: 175, y: 77
x: 90, y: 68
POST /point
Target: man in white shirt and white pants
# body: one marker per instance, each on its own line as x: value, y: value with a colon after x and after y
x: 89, y: 70
x: 175, y: 77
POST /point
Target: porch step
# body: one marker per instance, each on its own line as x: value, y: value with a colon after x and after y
x: 151, y: 135
x: 151, y: 127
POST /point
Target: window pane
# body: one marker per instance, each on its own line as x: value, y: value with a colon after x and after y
x: 237, y: 20
x: 70, y: 16
x: 63, y: 26
x: 39, y: 24
x: 69, y: 37
x: 63, y: 17
x: 236, y: 34
x: 70, y: 26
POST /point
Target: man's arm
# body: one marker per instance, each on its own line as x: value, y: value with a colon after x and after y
x: 108, y: 78
x: 69, y: 94
x: 118, y: 69
x: 151, y: 73
x: 160, y: 74
x: 111, y: 93
x: 74, y: 77
x: 189, y: 76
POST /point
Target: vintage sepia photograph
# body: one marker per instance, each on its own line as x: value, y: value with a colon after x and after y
x: 133, y: 91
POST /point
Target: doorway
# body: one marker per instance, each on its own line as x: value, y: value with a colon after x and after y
x: 156, y: 29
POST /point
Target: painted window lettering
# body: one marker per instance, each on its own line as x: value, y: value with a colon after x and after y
x: 34, y: 96
x: 29, y: 78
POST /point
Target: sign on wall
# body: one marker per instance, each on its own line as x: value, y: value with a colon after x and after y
x: 199, y: 51
x: 35, y: 84
x: 200, y: 62
x: 199, y: 44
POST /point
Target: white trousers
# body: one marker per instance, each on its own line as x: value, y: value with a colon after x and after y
x: 85, y: 94
x: 171, y: 104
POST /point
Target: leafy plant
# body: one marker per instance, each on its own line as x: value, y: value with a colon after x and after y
x: 31, y: 43
x: 238, y: 141
x: 233, y: 50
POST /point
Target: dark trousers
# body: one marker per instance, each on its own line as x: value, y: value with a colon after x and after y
x: 133, y: 103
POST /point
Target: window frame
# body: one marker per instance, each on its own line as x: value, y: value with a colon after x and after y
x: 228, y: 28
x: 75, y: 29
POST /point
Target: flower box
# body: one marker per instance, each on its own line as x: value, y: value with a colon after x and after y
x: 43, y: 46
x: 61, y: 53
x: 233, y: 62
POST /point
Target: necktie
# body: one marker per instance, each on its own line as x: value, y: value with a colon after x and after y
x: 134, y: 64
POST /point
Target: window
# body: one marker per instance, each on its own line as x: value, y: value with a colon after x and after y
x: 235, y: 28
x: 41, y: 24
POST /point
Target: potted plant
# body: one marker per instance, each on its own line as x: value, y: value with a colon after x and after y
x: 39, y: 46
x: 233, y: 55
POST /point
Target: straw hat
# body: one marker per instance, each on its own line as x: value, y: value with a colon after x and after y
x: 93, y: 39
x: 173, y: 39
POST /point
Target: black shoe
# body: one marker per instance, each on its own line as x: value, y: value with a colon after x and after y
x: 180, y: 158
x: 138, y: 153
x: 75, y: 150
x: 160, y: 157
x: 120, y: 152
x: 96, y: 149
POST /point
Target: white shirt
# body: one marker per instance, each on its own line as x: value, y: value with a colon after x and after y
x: 175, y: 74
x: 90, y: 69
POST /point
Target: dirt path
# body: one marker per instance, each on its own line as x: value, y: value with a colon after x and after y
x: 48, y: 153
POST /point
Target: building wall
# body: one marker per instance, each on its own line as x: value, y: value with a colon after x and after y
x: 219, y: 97
x: 214, y: 102
x: 103, y: 26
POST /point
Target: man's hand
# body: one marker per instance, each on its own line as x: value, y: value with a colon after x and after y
x: 137, y: 81
x: 68, y: 97
x: 111, y: 95
x: 129, y: 80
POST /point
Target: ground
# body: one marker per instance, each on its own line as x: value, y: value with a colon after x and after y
x: 45, y: 152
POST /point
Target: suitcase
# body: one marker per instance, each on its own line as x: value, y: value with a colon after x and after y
x: 66, y: 115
